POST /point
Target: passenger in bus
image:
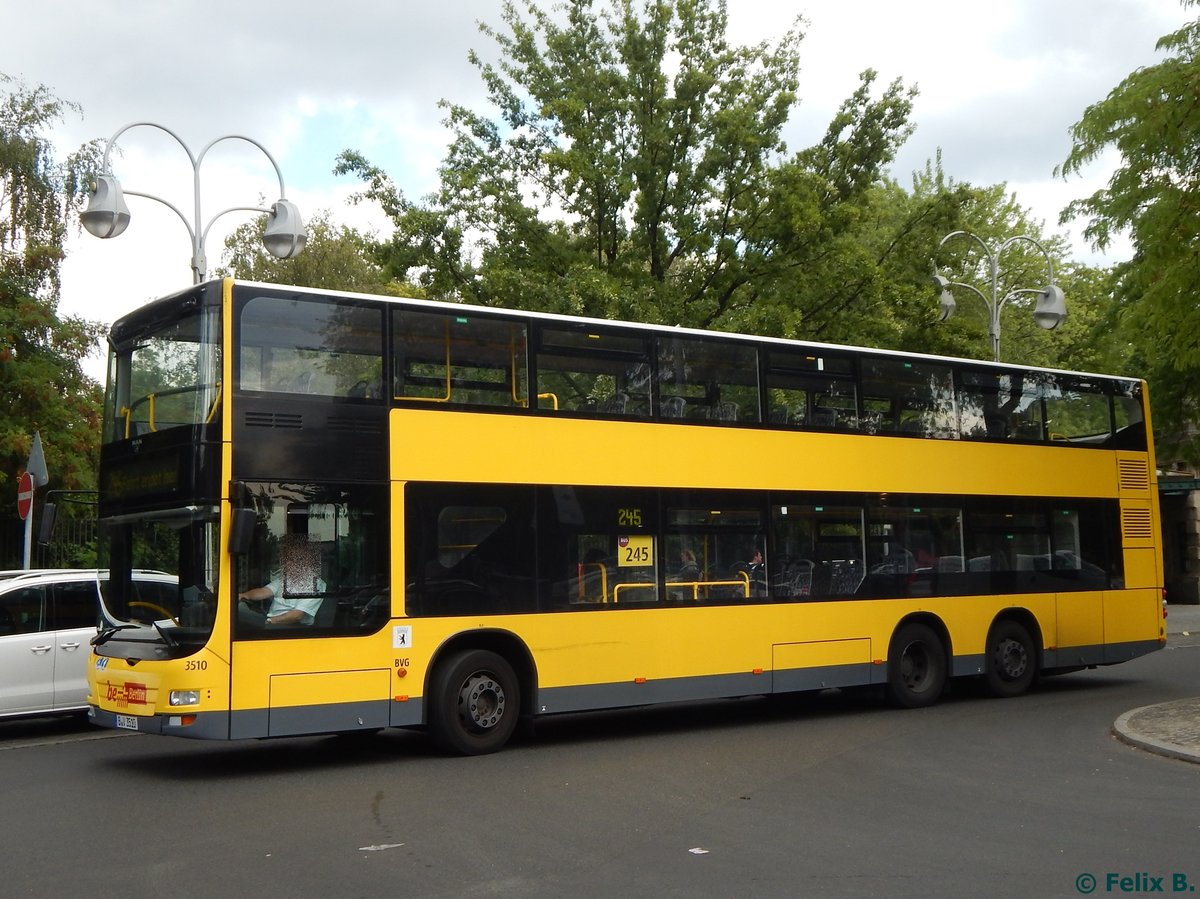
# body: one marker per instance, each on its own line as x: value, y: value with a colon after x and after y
x: 689, y: 574
x: 294, y: 592
x: 758, y: 573
x: 688, y: 569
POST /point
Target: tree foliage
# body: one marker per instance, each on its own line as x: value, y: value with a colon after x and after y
x: 1152, y: 119
x: 633, y: 167
x: 335, y: 257
x: 636, y: 170
x: 41, y: 378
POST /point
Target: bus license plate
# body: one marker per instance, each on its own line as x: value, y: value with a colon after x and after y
x: 129, y: 722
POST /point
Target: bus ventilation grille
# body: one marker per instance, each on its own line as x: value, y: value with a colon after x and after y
x: 274, y: 420
x: 358, y: 425
x: 1136, y: 524
x: 1134, y: 474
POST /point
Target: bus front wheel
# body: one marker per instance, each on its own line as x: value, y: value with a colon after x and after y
x: 916, y: 667
x: 1011, y: 660
x: 476, y: 701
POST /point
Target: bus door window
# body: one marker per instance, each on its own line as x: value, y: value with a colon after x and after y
x: 707, y: 380
x: 710, y: 550
x: 593, y: 370
x: 455, y: 360
x: 317, y: 549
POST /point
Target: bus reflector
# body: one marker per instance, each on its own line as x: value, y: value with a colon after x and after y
x: 756, y: 671
x: 639, y: 680
x: 401, y: 699
x: 877, y: 661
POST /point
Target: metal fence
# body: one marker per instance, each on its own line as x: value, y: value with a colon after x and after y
x: 73, y: 544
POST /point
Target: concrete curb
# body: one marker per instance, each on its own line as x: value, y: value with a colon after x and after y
x: 1155, y: 728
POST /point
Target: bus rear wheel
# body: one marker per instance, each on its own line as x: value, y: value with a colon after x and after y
x: 1011, y: 660
x: 916, y: 667
x: 475, y: 702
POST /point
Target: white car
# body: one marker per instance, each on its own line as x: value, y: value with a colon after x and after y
x: 47, y: 621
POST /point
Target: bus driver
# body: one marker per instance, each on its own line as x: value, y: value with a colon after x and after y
x: 295, y: 589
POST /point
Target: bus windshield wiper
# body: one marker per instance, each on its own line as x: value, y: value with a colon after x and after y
x: 107, y: 633
x: 167, y: 638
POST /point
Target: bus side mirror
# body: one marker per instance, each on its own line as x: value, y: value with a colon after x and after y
x: 46, y: 528
x: 241, y: 531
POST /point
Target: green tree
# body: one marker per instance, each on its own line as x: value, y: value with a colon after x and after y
x: 41, y: 352
x: 636, y: 171
x: 1152, y: 119
x: 335, y: 257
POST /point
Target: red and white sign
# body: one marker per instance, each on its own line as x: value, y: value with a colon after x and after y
x: 24, y: 495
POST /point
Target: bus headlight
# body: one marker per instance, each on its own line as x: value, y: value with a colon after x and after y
x: 185, y: 697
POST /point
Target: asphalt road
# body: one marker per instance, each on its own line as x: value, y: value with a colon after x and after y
x: 834, y: 796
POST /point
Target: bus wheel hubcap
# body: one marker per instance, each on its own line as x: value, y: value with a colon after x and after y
x: 481, y: 701
x: 914, y: 667
x: 1011, y: 659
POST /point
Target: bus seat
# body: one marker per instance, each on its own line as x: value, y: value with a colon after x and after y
x: 727, y: 411
x: 672, y: 407
x: 326, y: 612
x: 615, y: 404
x: 997, y: 426
x: 302, y: 383
x: 846, y: 579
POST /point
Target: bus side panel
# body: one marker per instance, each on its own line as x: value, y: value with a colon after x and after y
x: 1080, y: 636
x: 1133, y: 623
x: 820, y: 664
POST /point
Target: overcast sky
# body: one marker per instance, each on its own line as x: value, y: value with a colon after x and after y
x: 1000, y: 84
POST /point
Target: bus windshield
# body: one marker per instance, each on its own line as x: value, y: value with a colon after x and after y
x: 162, y: 574
x: 160, y: 474
x: 164, y: 372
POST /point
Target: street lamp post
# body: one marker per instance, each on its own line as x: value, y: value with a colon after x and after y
x: 107, y: 215
x: 1051, y: 304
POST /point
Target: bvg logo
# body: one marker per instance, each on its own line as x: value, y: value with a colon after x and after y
x: 101, y: 663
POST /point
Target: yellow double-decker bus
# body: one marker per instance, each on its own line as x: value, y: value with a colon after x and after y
x: 399, y: 513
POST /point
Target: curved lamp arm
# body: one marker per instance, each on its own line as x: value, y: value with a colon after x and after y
x: 1051, y: 306
x: 108, y: 216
